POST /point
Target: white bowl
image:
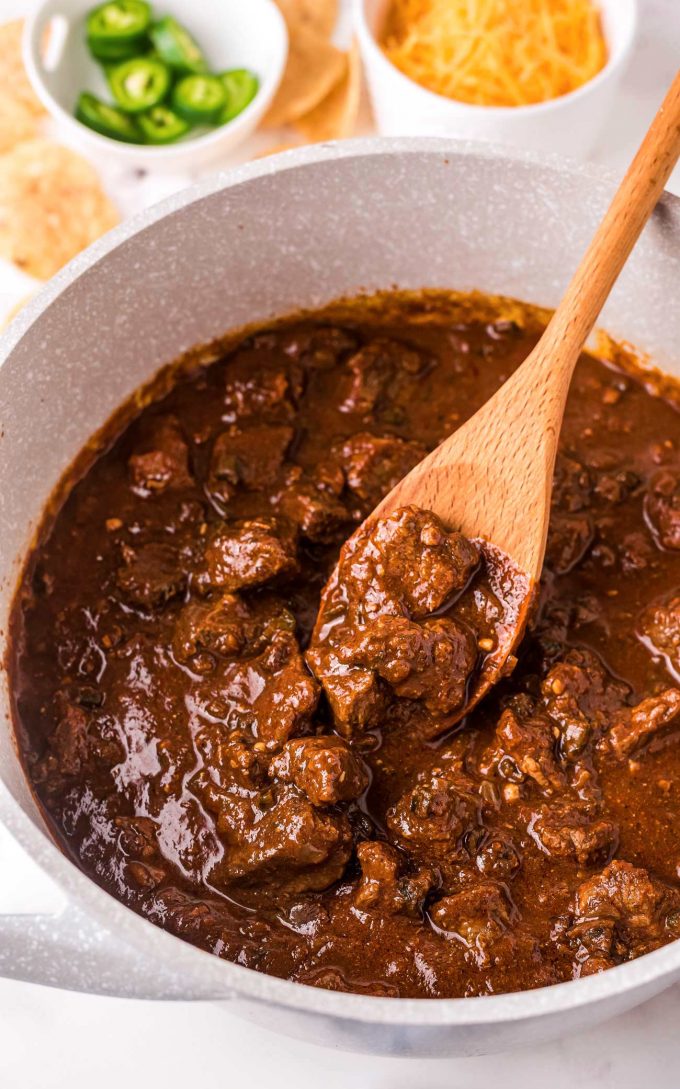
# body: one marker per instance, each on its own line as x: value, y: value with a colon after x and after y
x: 568, y: 125
x: 233, y: 34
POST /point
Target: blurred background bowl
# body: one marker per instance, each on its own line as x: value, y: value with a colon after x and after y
x: 568, y: 125
x: 232, y: 33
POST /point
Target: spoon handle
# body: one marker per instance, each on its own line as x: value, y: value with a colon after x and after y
x: 492, y: 477
x: 616, y: 236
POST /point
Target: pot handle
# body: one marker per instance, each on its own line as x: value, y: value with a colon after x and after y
x: 68, y: 949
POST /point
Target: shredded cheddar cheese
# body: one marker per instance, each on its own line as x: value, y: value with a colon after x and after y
x: 496, y: 52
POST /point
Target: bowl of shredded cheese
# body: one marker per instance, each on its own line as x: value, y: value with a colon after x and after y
x: 538, y: 74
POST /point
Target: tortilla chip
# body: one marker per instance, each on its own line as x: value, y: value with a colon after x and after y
x: 16, y: 123
x: 335, y: 117
x: 15, y: 85
x: 314, y: 67
x: 51, y: 207
x: 318, y: 15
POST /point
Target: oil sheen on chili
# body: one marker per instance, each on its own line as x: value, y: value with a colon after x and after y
x: 303, y: 806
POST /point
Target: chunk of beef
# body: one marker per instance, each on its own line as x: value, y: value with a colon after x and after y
x: 324, y: 768
x: 151, y: 575
x: 137, y: 837
x: 440, y: 808
x: 524, y: 748
x: 559, y: 618
x: 314, y: 508
x: 374, y: 465
x: 405, y: 562
x: 274, y: 693
x: 69, y: 742
x: 636, y: 552
x: 232, y: 781
x: 662, y: 507
x: 225, y: 625
x: 373, y: 372
x: 431, y: 661
x: 144, y: 875
x: 384, y: 888
x: 230, y: 759
x: 250, y: 553
x: 197, y: 921
x: 187, y: 836
x: 660, y: 627
x: 250, y: 457
x: 67, y: 749
x: 581, y: 698
x: 572, y: 485
x: 634, y: 727
x: 137, y: 840
x: 292, y: 846
x: 477, y: 915
x: 260, y: 385
x: 615, y: 487
x: 162, y: 462
x: 497, y: 857
x: 236, y: 807
x: 357, y: 697
x: 219, y: 625
x: 568, y: 830
x: 622, y: 892
x: 569, y: 539
x: 267, y: 814
x: 322, y: 348
x: 271, y: 696
x: 328, y: 476
x: 621, y: 913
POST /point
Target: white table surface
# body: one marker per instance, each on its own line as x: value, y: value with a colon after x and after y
x: 52, y: 1039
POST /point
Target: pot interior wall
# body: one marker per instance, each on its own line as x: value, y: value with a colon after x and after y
x: 407, y: 214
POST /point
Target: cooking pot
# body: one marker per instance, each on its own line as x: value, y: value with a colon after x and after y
x: 294, y: 231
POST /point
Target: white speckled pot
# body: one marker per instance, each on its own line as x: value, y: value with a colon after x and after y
x: 294, y: 231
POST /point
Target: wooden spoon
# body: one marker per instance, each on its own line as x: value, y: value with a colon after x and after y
x: 492, y: 479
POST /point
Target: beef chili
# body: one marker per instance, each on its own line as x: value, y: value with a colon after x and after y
x: 414, y: 612
x: 289, y: 794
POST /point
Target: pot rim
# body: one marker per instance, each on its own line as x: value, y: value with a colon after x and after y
x: 222, y: 979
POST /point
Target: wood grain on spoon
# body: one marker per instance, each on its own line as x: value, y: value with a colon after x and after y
x: 492, y: 479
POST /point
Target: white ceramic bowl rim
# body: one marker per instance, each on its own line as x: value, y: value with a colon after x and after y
x: 267, y: 89
x: 615, y: 60
x: 224, y: 977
